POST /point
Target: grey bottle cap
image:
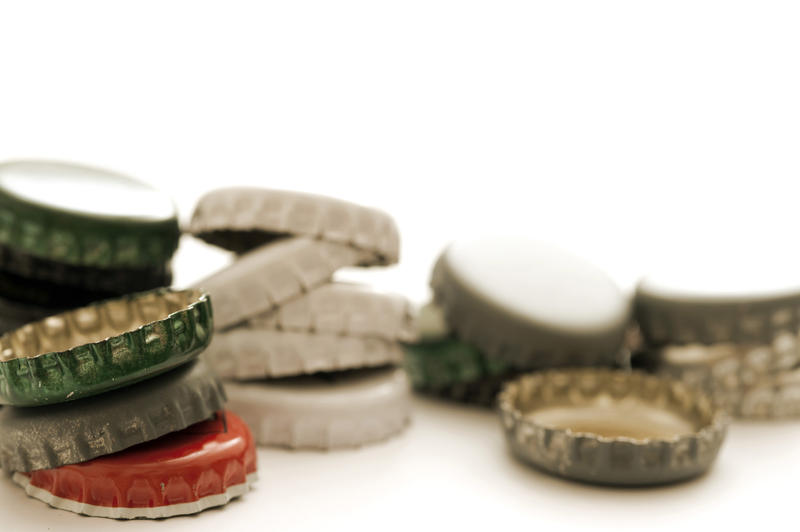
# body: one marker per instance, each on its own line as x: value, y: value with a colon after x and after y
x: 326, y: 411
x: 241, y: 219
x: 611, y: 427
x: 344, y: 309
x: 74, y: 432
x: 252, y: 353
x: 268, y: 276
x: 714, y: 298
x: 530, y: 304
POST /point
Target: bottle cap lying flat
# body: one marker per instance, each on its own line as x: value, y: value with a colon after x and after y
x: 739, y: 377
x: 74, y: 432
x: 102, y: 346
x: 530, y: 304
x: 718, y: 297
x: 611, y: 427
x: 244, y: 353
x: 456, y: 370
x: 324, y: 411
x: 185, y: 472
x: 84, y: 216
x: 241, y: 219
x: 48, y: 282
x: 273, y: 274
x: 344, y: 309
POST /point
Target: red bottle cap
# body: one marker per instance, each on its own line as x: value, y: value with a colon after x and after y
x: 184, y: 472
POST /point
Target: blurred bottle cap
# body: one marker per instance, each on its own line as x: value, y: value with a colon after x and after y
x: 324, y: 411
x: 82, y: 216
x: 253, y: 353
x: 103, y: 346
x: 344, y: 309
x: 78, y: 431
x: 261, y: 280
x: 241, y: 219
x: 185, y: 472
x: 611, y: 427
x: 724, y: 293
x: 530, y: 304
x: 454, y: 369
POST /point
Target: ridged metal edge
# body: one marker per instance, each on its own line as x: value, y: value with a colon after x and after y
x: 118, y: 512
x: 82, y: 241
x: 50, y: 282
x: 269, y: 276
x: 342, y: 309
x: 607, y: 460
x: 504, y: 337
x: 279, y: 212
x: 117, y: 361
x: 666, y: 322
x: 244, y: 353
x: 74, y: 432
x: 350, y: 427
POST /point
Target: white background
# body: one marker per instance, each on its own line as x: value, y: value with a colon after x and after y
x: 630, y: 132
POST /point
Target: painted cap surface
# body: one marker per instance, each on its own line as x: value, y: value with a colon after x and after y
x: 84, y: 216
x: 324, y: 411
x: 721, y: 295
x: 254, y: 353
x: 103, y: 346
x: 78, y: 431
x: 262, y: 279
x: 204, y: 465
x: 530, y: 304
x: 241, y: 219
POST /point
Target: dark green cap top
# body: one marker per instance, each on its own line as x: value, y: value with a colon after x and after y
x: 84, y: 216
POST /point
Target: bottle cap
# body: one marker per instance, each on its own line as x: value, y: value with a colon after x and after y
x: 344, y: 309
x: 719, y: 297
x: 324, y: 411
x: 47, y: 282
x: 241, y: 219
x: 84, y: 216
x: 456, y: 370
x: 77, y: 431
x: 102, y: 346
x: 611, y: 427
x: 247, y: 353
x: 185, y: 472
x: 263, y: 279
x: 530, y: 304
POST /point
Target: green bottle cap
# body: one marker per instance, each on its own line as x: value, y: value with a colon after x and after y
x: 103, y: 346
x: 456, y: 370
x: 84, y: 216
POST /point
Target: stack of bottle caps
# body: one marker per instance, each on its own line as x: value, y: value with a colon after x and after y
x: 308, y: 362
x: 109, y: 413
x: 70, y: 235
x: 505, y: 306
